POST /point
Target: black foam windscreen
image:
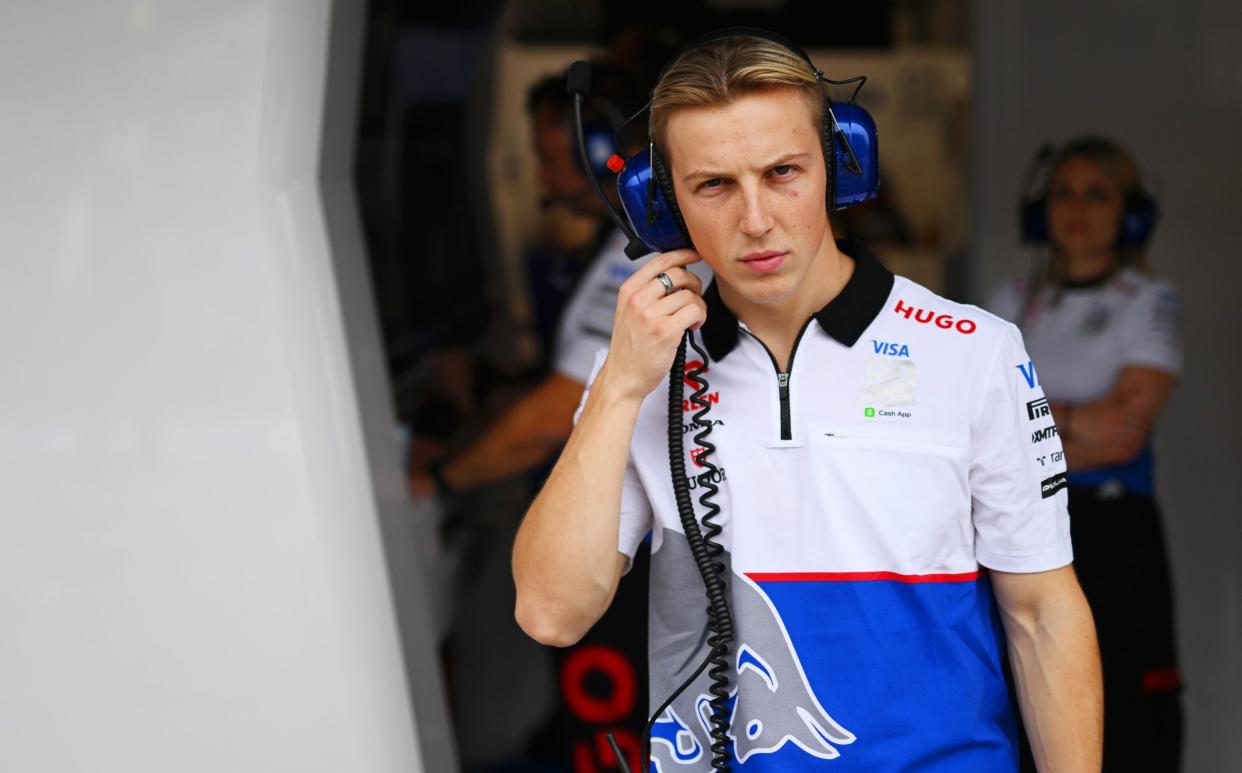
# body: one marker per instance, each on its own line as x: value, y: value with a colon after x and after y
x: 578, y: 81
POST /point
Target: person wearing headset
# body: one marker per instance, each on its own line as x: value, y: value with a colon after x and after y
x: 1103, y: 332
x: 875, y: 499
x: 529, y: 432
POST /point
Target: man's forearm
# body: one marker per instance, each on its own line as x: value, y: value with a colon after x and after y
x: 1086, y: 452
x: 1056, y: 665
x: 526, y: 435
x: 565, y: 554
x: 510, y: 447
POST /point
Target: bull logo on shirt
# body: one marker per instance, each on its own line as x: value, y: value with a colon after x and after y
x: 773, y: 704
x: 889, y: 381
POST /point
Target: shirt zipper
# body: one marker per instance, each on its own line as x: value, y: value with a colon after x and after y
x: 782, y: 379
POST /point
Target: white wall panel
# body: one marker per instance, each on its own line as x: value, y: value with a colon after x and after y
x: 192, y: 575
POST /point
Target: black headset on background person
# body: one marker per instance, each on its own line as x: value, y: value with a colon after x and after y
x: 655, y: 224
x: 1138, y: 219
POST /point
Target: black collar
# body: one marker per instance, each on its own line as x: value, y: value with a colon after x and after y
x: 845, y: 317
x: 1090, y: 282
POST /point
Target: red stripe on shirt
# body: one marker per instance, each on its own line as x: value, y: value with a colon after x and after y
x: 859, y: 576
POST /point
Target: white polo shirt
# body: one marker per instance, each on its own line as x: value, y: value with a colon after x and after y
x: 861, y: 492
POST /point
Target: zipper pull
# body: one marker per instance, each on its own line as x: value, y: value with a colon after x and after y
x: 782, y: 380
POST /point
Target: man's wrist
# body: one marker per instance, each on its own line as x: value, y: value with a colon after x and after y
x: 616, y: 392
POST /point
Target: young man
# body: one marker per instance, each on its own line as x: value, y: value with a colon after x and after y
x: 876, y: 499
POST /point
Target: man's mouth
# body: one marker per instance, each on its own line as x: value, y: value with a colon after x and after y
x: 766, y: 261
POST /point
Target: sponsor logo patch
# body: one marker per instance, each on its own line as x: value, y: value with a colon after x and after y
x: 702, y: 479
x: 1029, y: 374
x: 1050, y: 486
x: 692, y: 366
x: 885, y: 413
x: 889, y: 381
x: 942, y: 321
x: 688, y: 405
x: 889, y: 348
x: 1037, y: 409
x: 1051, y: 458
x: 1047, y: 433
x: 1096, y: 320
x: 695, y: 427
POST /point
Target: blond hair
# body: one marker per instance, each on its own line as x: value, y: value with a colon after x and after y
x: 722, y: 71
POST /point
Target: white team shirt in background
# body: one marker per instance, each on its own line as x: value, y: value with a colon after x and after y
x: 1081, y: 337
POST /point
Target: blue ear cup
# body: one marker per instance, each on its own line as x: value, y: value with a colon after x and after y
x: 1138, y: 221
x: 657, y: 224
x: 854, y: 183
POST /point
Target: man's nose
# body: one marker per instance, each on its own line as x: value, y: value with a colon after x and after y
x: 756, y: 220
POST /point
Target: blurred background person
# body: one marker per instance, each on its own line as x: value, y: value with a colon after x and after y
x: 579, y: 293
x: 1104, y: 336
x: 573, y: 291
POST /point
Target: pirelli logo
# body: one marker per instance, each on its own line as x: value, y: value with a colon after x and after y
x: 1052, y: 485
x: 1037, y: 409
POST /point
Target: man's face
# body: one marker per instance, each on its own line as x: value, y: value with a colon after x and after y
x: 749, y: 179
x: 559, y: 174
x: 1084, y: 208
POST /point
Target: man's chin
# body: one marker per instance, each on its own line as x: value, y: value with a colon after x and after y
x: 765, y: 290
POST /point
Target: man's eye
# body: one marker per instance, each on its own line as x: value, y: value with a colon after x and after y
x: 782, y: 170
x: 715, y: 182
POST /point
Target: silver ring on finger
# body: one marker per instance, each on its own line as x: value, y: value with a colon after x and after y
x: 669, y: 287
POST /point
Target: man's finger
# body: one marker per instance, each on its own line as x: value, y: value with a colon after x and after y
x: 655, y: 290
x: 662, y: 263
x: 690, y: 316
x: 666, y: 307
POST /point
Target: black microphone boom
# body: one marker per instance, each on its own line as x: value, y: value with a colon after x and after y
x: 579, y: 79
x: 578, y: 83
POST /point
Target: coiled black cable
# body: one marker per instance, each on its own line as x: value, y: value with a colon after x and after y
x: 703, y: 547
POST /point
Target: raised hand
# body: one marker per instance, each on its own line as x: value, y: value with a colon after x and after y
x: 651, y: 317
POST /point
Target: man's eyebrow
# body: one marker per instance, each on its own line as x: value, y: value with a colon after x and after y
x: 709, y: 174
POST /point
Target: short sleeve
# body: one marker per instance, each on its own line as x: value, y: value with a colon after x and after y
x: 580, y: 335
x: 586, y: 324
x: 636, y: 513
x: 1151, y: 335
x: 1019, y: 504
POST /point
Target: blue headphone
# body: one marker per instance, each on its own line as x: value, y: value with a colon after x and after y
x: 851, y: 153
x: 1138, y: 217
